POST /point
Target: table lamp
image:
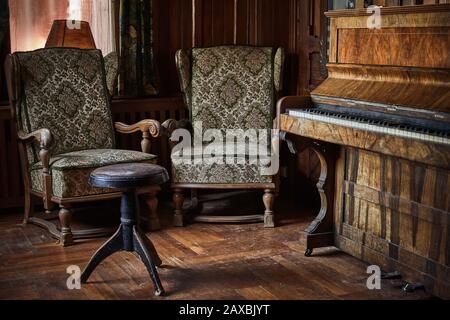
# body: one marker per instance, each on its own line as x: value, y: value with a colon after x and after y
x: 70, y: 33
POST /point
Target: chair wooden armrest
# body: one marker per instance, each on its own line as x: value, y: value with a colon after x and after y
x: 44, y: 138
x: 148, y: 127
x: 170, y: 125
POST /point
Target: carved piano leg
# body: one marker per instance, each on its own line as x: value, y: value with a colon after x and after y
x: 320, y: 232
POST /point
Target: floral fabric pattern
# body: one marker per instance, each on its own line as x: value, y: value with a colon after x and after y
x: 218, y: 173
x: 64, y: 90
x: 112, y: 70
x: 229, y: 82
x: 184, y: 74
x: 278, y: 71
x: 70, y: 172
x: 241, y: 170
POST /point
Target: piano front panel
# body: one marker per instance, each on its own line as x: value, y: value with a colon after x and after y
x: 395, y: 213
x: 409, y: 47
x: 388, y: 144
x: 353, y: 25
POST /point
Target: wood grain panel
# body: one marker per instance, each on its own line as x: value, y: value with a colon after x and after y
x: 409, y: 47
x: 417, y: 150
x: 394, y: 213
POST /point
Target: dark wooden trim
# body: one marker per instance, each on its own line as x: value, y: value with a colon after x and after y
x: 229, y: 219
x: 5, y: 111
x: 223, y: 186
x: 146, y: 105
x: 390, y: 10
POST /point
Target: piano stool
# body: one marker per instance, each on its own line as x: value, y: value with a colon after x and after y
x: 129, y: 237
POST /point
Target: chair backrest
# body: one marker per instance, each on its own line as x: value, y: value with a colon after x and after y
x: 65, y: 91
x: 231, y: 87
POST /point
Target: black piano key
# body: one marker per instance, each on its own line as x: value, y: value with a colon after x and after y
x: 394, y: 122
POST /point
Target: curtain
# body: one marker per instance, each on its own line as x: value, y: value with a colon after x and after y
x: 102, y: 21
x: 31, y: 21
x: 4, y: 20
x: 137, y: 77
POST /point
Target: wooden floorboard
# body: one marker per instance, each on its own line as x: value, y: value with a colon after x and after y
x: 201, y: 261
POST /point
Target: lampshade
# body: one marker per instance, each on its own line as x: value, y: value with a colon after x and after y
x: 70, y: 33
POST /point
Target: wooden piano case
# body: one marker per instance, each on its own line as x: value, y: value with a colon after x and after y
x: 391, y: 199
x: 391, y: 211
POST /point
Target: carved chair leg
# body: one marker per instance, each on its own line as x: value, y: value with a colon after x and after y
x: 269, y: 199
x: 178, y: 199
x: 28, y: 208
x: 49, y: 210
x: 152, y: 218
x: 65, y: 217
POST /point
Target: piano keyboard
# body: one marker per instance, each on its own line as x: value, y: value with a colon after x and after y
x: 372, y: 125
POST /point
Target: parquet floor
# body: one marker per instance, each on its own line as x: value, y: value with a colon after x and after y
x: 202, y: 261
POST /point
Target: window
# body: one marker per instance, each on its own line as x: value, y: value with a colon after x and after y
x: 31, y: 21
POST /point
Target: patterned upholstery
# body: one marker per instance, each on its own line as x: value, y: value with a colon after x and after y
x: 229, y: 168
x: 64, y: 90
x: 112, y: 70
x: 232, y: 87
x: 70, y: 171
x: 228, y: 87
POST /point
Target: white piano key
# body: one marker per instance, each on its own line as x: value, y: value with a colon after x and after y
x: 369, y: 127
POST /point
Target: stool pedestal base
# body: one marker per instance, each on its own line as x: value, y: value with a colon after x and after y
x: 128, y: 238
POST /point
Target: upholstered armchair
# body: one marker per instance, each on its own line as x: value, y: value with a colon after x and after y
x: 226, y: 88
x: 60, y: 101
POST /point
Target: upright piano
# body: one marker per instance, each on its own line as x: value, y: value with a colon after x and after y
x: 385, y: 109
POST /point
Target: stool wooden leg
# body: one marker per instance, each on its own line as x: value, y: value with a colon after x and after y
x: 151, y: 248
x: 65, y: 217
x: 129, y: 238
x: 269, y: 199
x: 114, y: 244
x: 178, y: 199
x: 143, y: 252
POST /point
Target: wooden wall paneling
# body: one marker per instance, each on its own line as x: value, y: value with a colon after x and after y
x: 172, y: 31
x: 11, y: 189
x: 187, y: 23
x: 296, y: 25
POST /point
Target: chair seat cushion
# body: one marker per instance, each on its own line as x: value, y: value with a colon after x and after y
x: 70, y: 171
x: 193, y: 166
